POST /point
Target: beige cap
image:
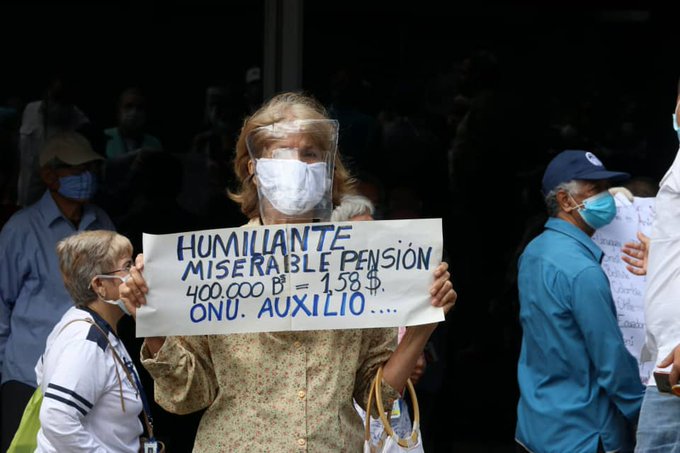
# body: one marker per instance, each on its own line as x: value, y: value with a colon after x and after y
x: 69, y: 147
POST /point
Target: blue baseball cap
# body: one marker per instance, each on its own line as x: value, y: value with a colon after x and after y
x: 576, y: 164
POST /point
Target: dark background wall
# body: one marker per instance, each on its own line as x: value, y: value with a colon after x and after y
x: 174, y: 49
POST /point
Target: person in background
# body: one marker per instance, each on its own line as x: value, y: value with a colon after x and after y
x: 359, y: 131
x: 353, y: 208
x: 221, y: 121
x: 579, y: 386
x: 252, y: 94
x: 32, y: 294
x: 41, y: 119
x: 91, y: 398
x: 209, y: 168
x: 123, y: 143
x: 155, y: 182
x: 9, y: 157
x: 371, y: 187
x: 130, y: 135
x: 305, y: 382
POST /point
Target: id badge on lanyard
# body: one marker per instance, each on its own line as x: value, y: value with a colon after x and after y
x: 150, y: 446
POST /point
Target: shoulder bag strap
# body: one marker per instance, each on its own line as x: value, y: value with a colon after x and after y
x: 116, y: 357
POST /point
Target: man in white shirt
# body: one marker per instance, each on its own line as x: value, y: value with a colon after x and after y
x: 659, y: 422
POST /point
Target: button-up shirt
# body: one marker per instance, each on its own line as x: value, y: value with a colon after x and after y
x: 662, y: 296
x: 32, y: 293
x: 273, y: 392
x: 578, y: 383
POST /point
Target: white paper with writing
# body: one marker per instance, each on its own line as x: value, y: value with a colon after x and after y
x: 627, y: 289
x: 317, y: 276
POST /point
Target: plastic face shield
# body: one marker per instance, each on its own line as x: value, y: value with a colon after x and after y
x: 294, y: 165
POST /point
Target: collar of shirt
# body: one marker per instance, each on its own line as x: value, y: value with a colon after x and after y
x: 51, y: 212
x: 101, y: 322
x: 564, y: 227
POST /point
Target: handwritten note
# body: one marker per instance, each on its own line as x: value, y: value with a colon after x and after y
x: 627, y: 289
x: 291, y: 277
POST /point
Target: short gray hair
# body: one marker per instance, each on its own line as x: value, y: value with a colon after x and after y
x: 350, y: 206
x: 571, y: 187
x: 86, y: 254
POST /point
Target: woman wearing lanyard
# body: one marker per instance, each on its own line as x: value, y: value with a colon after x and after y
x: 92, y: 396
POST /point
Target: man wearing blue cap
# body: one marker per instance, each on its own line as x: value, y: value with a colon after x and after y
x: 580, y: 389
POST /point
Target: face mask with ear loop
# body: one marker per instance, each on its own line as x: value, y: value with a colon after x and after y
x: 294, y: 167
x: 292, y: 186
x: 118, y: 302
x: 82, y: 186
x: 598, y: 210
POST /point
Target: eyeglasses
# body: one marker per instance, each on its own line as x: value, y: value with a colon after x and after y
x: 115, y: 277
x: 126, y: 268
x: 111, y: 277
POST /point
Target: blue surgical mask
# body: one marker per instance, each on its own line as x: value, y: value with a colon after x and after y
x: 675, y: 125
x: 78, y: 187
x: 598, y: 210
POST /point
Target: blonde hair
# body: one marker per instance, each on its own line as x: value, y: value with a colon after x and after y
x: 87, y: 254
x: 283, y: 107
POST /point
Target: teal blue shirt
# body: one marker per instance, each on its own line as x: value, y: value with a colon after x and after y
x: 578, y: 383
x: 116, y: 146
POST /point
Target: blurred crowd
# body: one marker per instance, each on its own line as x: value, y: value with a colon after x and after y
x: 460, y: 145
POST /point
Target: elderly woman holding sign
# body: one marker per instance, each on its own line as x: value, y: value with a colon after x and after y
x: 283, y: 391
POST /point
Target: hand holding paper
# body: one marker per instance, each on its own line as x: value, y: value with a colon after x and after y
x: 636, y: 254
x: 133, y: 291
x: 443, y: 294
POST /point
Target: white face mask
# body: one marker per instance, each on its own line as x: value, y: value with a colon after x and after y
x: 119, y: 303
x: 292, y: 186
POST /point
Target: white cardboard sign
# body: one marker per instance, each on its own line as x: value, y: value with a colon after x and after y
x: 628, y: 289
x: 318, y: 276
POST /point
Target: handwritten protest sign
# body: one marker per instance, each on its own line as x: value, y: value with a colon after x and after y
x: 291, y: 277
x: 627, y: 289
